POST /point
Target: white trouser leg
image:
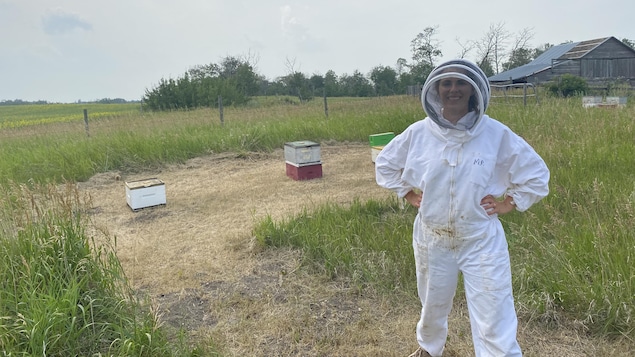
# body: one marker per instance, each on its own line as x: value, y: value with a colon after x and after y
x: 488, y: 289
x: 437, y: 277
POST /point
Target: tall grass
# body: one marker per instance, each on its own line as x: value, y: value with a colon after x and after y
x: 135, y: 141
x: 572, y: 253
x: 575, y: 250
x: 63, y: 293
x: 364, y: 241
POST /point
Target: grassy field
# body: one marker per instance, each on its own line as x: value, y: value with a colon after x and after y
x: 16, y: 116
x: 572, y: 252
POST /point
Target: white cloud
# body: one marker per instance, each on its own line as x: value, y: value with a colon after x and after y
x: 59, y: 22
x: 297, y: 33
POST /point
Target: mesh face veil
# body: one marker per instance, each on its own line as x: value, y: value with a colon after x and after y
x: 459, y: 68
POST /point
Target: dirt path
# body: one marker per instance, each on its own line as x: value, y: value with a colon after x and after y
x: 212, y: 204
x: 195, y: 258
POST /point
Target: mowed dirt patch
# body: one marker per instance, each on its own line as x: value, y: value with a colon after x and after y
x: 196, y: 259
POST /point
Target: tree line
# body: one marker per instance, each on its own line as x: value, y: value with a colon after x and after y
x: 233, y: 81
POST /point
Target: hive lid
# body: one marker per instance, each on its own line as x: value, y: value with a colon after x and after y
x: 301, y: 144
x: 144, y: 183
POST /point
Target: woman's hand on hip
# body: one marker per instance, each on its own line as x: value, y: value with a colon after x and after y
x: 413, y: 198
x: 493, y: 206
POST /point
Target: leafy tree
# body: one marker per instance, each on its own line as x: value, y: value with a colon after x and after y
x: 419, y: 72
x: 233, y: 79
x: 385, y: 80
x: 355, y: 85
x: 409, y: 75
x: 298, y: 85
x: 517, y: 58
x: 185, y: 93
x: 201, y: 72
x: 629, y: 43
x: 162, y: 96
x: 406, y: 80
x: 425, y: 49
x: 241, y: 74
x: 317, y: 85
x: 331, y: 84
x: 487, y: 68
x: 425, y: 52
x: 296, y: 82
x: 276, y: 87
x: 402, y: 65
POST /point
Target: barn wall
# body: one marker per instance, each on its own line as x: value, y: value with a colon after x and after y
x: 612, y: 48
x: 608, y: 68
x: 566, y: 67
x: 544, y: 76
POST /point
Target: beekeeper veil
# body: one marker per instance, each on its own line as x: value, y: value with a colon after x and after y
x: 463, y: 69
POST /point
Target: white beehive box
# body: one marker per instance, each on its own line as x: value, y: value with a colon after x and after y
x: 591, y: 101
x: 145, y: 193
x: 374, y: 151
x: 619, y: 102
x: 300, y: 153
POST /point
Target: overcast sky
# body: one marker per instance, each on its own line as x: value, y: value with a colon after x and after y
x: 70, y: 50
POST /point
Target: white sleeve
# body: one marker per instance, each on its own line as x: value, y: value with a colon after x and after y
x: 390, y: 163
x: 528, y: 176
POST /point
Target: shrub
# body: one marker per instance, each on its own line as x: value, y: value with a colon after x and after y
x: 568, y: 85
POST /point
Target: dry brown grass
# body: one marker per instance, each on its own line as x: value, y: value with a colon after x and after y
x: 195, y: 258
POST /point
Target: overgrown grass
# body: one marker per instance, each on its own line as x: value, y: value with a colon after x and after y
x: 63, y: 293
x: 575, y: 251
x: 365, y: 242
x: 134, y: 141
x: 572, y: 253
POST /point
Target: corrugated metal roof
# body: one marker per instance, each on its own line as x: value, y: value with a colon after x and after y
x: 541, y: 63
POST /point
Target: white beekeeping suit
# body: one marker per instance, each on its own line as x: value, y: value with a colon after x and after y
x: 455, y: 166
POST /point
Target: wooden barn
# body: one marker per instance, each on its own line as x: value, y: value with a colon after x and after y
x: 598, y: 61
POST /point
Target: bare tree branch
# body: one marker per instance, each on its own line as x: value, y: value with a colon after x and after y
x: 466, y: 47
x: 251, y: 58
x: 491, y: 47
x: 290, y: 65
x: 522, y: 39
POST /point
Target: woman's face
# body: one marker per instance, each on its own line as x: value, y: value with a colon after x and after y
x: 455, y: 95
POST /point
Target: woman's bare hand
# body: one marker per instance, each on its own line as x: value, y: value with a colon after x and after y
x: 413, y: 198
x: 492, y: 206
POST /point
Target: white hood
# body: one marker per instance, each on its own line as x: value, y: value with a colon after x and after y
x: 468, y: 71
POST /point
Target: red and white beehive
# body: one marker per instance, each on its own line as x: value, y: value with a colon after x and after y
x: 302, y: 160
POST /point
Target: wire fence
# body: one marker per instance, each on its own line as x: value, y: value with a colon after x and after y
x: 87, y: 124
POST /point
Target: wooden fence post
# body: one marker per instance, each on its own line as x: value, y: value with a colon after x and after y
x: 220, y: 109
x: 86, y: 122
x: 326, y: 106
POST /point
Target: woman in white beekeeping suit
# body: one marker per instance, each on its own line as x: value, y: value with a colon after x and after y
x: 462, y: 169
